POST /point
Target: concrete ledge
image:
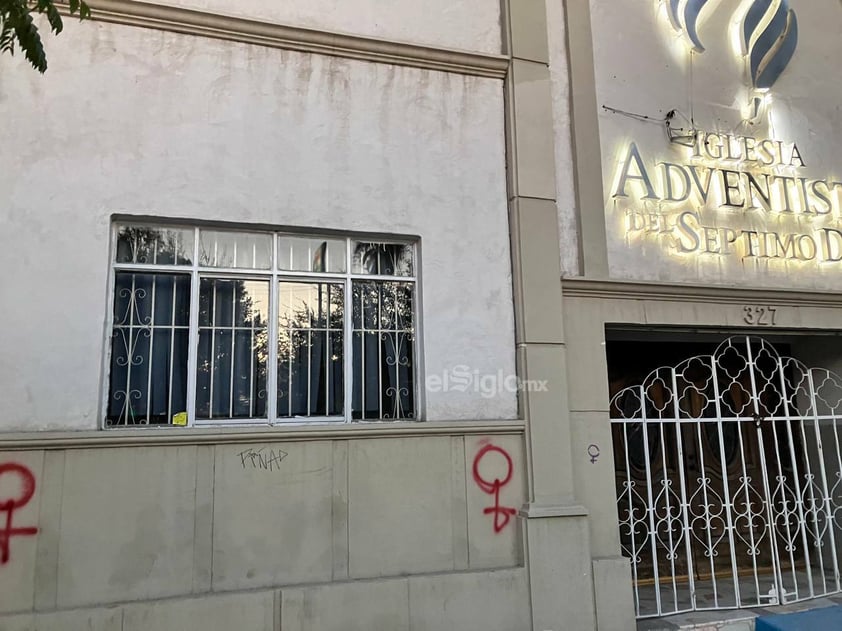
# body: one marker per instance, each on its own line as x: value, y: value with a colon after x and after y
x: 539, y: 511
x: 637, y: 290
x: 205, y: 24
x: 174, y: 436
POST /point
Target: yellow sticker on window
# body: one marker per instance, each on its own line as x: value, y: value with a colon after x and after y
x: 180, y: 419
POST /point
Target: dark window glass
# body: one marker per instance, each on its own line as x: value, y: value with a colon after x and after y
x: 149, y: 342
x: 232, y: 355
x: 383, y: 350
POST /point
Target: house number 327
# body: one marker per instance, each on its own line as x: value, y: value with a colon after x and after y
x: 755, y: 315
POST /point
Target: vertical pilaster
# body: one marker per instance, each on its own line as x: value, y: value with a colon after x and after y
x: 555, y: 526
x: 587, y: 157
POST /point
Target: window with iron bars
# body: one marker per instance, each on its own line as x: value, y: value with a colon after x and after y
x: 213, y: 326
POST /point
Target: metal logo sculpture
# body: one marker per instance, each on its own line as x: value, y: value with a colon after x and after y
x: 768, y: 34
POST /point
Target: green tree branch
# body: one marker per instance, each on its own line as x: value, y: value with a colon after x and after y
x: 18, y: 30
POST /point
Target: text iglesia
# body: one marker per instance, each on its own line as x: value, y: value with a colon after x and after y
x: 733, y: 195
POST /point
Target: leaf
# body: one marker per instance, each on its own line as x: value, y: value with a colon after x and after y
x: 85, y: 11
x: 54, y: 18
x: 28, y: 38
x: 17, y: 27
x: 80, y: 6
x: 7, y: 39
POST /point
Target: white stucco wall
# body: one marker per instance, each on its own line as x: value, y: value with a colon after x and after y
x: 643, y: 67
x: 136, y: 121
x: 461, y: 24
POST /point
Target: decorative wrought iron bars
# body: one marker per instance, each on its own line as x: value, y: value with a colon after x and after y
x: 233, y: 326
x: 729, y: 481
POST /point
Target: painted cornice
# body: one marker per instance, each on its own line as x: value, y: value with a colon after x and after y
x: 674, y: 292
x: 177, y: 436
x: 247, y: 31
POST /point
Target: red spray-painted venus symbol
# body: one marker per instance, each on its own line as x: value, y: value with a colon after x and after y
x: 502, y: 514
x: 9, y: 506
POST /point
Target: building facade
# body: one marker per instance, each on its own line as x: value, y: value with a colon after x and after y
x: 700, y: 305
x: 283, y: 387
x: 513, y: 315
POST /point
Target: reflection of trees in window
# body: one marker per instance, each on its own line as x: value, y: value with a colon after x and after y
x: 232, y: 355
x: 383, y: 344
x: 150, y: 331
x: 383, y: 333
x: 245, y: 250
x: 154, y: 268
x: 148, y: 379
x: 382, y: 259
x: 158, y: 246
x: 310, y: 349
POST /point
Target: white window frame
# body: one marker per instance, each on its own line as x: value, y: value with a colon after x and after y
x: 274, y: 276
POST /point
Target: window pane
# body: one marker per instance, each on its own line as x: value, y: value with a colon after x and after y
x: 172, y: 300
x: 383, y: 344
x: 152, y: 318
x: 232, y: 352
x: 336, y: 373
x: 244, y: 250
x: 305, y: 254
x: 382, y: 259
x: 154, y: 246
x: 148, y: 379
x: 310, y: 352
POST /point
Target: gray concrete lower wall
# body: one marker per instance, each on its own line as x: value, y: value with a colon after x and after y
x: 492, y: 600
x: 391, y: 533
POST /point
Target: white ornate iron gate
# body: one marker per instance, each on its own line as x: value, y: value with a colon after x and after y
x: 729, y: 481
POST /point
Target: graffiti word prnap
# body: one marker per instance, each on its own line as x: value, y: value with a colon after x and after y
x: 264, y: 459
